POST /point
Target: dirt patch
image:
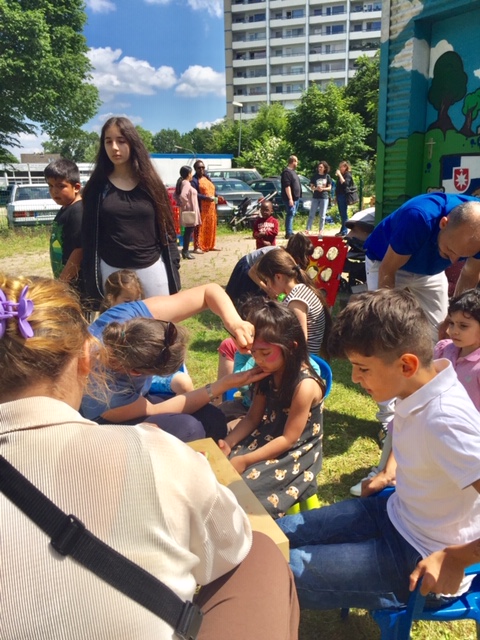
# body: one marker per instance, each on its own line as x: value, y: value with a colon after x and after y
x: 214, y: 266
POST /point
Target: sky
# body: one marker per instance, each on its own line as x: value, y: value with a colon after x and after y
x: 161, y: 63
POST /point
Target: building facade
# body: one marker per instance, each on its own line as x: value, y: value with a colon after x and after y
x: 275, y: 49
x: 429, y: 102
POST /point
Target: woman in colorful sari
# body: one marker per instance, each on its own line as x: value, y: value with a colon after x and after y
x: 205, y: 234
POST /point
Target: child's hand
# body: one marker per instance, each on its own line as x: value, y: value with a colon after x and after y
x: 224, y: 447
x: 376, y: 484
x: 239, y: 463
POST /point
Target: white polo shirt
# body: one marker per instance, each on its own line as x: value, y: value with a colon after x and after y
x: 436, y: 442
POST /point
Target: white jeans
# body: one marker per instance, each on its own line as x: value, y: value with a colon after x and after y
x: 430, y: 291
x: 154, y: 278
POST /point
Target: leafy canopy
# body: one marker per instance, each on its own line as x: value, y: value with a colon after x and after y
x: 44, y: 69
x: 323, y: 127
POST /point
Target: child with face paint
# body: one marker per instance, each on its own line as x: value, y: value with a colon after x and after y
x: 277, y: 446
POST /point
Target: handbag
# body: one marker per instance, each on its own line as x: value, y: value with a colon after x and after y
x: 351, y: 194
x: 187, y: 218
x: 69, y: 537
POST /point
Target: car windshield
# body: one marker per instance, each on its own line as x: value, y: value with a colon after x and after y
x: 231, y: 185
x: 32, y: 193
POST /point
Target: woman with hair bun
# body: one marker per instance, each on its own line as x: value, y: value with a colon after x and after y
x: 136, y: 488
x: 140, y: 341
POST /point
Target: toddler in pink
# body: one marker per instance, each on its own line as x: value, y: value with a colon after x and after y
x: 463, y: 346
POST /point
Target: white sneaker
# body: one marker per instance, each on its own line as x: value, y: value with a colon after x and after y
x: 356, y: 490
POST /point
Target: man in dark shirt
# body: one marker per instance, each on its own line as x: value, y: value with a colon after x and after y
x: 291, y: 192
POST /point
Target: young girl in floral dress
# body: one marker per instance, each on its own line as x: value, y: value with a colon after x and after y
x: 277, y: 446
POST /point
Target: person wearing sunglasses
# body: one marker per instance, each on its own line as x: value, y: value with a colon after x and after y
x: 140, y: 341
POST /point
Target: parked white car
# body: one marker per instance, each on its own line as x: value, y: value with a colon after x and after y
x: 30, y: 204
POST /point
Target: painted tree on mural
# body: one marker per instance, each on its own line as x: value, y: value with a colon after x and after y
x: 449, y: 85
x: 471, y: 111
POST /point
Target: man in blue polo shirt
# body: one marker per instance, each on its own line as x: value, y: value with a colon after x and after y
x: 413, y: 246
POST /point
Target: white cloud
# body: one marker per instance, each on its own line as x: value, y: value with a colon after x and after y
x: 416, y: 55
x: 477, y: 73
x: 438, y: 50
x: 29, y: 143
x: 114, y: 75
x: 208, y: 125
x: 101, y: 6
x: 413, y: 57
x: 200, y: 81
x: 214, y: 8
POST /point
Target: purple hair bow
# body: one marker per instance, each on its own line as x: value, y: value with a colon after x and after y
x: 20, y: 310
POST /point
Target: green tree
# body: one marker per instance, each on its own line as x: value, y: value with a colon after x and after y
x: 323, y: 127
x: 449, y: 85
x: 269, y: 155
x: 271, y: 120
x: 362, y: 90
x: 471, y: 110
x: 7, y: 158
x: 147, y: 137
x: 44, y: 68
x: 78, y: 147
x: 164, y: 141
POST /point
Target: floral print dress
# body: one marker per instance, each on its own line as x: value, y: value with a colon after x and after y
x: 292, y: 477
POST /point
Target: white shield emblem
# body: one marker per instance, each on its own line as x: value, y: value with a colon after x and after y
x: 461, y: 179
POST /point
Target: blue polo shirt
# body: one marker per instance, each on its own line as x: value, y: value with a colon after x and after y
x: 413, y: 230
x: 122, y: 388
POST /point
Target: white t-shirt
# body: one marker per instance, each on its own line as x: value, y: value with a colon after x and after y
x: 436, y: 443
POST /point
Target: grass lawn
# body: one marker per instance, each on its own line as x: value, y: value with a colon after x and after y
x: 350, y: 442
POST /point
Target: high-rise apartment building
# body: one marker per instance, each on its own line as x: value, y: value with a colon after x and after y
x: 275, y: 49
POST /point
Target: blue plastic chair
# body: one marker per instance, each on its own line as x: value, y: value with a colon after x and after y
x: 395, y: 624
x: 325, y: 371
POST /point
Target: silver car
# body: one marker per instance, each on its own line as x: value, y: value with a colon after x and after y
x: 231, y: 192
x: 30, y: 204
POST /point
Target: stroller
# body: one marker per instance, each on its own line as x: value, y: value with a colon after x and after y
x: 246, y: 212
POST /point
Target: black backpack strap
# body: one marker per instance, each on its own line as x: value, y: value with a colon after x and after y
x: 69, y: 537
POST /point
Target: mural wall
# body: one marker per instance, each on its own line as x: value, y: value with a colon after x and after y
x: 429, y: 124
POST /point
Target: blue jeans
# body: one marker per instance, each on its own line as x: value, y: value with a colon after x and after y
x: 320, y: 204
x: 290, y: 213
x: 349, y: 555
x: 343, y: 210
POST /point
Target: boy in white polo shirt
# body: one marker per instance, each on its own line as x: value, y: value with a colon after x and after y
x: 360, y: 553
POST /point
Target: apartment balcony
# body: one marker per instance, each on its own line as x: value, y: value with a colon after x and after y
x: 327, y: 57
x: 249, y: 41
x: 283, y: 4
x: 240, y: 82
x: 292, y: 40
x: 360, y: 35
x: 326, y: 75
x: 298, y: 57
x: 282, y: 97
x: 353, y: 55
x: 338, y: 18
x: 287, y: 23
x: 247, y: 26
x: 355, y: 16
x: 242, y: 6
x: 287, y: 77
x: 248, y: 62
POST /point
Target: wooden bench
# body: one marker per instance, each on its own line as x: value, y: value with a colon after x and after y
x: 229, y: 477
